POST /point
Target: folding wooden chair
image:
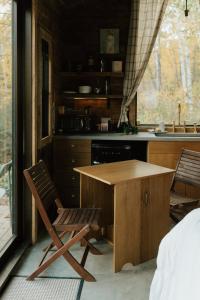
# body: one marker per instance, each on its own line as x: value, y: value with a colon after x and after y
x: 78, y: 221
x: 188, y: 172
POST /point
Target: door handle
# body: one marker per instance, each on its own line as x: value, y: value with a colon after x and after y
x: 146, y: 198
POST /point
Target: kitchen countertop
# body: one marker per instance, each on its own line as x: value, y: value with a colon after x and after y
x: 141, y: 136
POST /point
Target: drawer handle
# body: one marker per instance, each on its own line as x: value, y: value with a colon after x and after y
x: 73, y: 178
x: 146, y: 198
x: 73, y: 160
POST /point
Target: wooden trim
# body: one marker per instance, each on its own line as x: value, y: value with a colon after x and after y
x: 34, y: 107
x: 44, y: 34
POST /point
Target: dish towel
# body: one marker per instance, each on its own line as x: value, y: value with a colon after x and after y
x: 177, y: 276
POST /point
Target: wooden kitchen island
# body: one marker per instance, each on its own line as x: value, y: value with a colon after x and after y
x: 134, y: 196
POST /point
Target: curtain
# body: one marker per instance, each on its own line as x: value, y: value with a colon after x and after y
x: 145, y: 20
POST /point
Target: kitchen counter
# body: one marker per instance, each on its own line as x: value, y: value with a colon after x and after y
x: 141, y: 136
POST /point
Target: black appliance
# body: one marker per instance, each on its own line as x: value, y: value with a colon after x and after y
x: 110, y: 151
x: 75, y: 123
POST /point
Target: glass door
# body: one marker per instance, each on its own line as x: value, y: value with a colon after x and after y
x: 7, y: 124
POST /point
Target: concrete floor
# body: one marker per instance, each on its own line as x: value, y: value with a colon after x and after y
x: 131, y: 283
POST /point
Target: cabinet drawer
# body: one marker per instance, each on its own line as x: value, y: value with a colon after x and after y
x: 64, y: 179
x: 72, y: 146
x: 70, y: 197
x: 69, y: 162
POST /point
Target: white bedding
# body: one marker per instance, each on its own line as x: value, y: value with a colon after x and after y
x: 177, y: 276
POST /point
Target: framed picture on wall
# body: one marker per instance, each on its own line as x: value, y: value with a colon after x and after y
x: 109, y: 40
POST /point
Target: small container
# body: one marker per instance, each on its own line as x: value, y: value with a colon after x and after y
x: 84, y: 89
x: 61, y: 109
x: 162, y: 126
x: 97, y: 90
x: 117, y: 66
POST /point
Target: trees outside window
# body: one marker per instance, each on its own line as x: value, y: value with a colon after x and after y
x: 173, y: 72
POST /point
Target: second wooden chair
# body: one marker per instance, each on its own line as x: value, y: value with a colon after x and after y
x: 187, y: 172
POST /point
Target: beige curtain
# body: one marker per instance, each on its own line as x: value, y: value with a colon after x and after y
x: 146, y: 17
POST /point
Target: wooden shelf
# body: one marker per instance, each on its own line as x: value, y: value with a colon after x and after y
x: 93, y: 74
x: 91, y: 96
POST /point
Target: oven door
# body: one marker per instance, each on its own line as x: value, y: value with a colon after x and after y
x: 110, y: 152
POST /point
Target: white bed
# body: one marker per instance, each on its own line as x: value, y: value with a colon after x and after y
x: 177, y: 276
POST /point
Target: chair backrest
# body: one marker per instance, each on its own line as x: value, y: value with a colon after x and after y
x: 43, y: 190
x: 188, y: 168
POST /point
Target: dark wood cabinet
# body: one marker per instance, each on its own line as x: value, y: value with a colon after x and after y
x: 68, y: 154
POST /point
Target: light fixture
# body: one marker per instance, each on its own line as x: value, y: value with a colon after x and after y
x: 186, y: 9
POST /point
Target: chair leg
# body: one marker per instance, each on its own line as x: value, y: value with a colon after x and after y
x: 174, y: 218
x: 51, y: 245
x: 84, y: 257
x: 63, y: 250
x: 78, y: 267
x: 92, y: 249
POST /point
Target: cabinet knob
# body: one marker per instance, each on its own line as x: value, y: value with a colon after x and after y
x: 72, y: 145
x: 73, y: 195
x: 73, y: 160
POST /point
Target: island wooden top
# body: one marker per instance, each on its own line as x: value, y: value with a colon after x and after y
x: 113, y: 173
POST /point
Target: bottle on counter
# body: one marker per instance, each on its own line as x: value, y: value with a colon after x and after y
x: 107, y: 87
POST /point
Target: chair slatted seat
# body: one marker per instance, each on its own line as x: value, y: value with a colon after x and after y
x: 77, y: 218
x: 80, y: 222
x: 187, y: 172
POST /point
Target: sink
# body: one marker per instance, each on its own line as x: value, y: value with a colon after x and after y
x: 177, y: 134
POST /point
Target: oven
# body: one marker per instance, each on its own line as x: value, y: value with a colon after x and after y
x: 104, y: 151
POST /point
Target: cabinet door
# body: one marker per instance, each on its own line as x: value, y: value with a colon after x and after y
x: 155, y: 220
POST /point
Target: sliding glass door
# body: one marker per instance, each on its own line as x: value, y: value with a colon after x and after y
x: 8, y: 126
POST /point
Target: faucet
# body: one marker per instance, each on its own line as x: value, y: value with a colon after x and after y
x: 179, y: 114
x: 184, y: 126
x: 195, y: 127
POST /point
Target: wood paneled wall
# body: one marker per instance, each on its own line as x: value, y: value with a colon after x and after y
x: 81, y: 29
x: 46, y: 16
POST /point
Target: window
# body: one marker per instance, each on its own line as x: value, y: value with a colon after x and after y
x: 6, y: 123
x: 15, y: 111
x: 45, y: 75
x: 45, y: 88
x: 173, y: 72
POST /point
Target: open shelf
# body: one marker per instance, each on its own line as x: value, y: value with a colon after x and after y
x: 90, y: 96
x: 93, y: 74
